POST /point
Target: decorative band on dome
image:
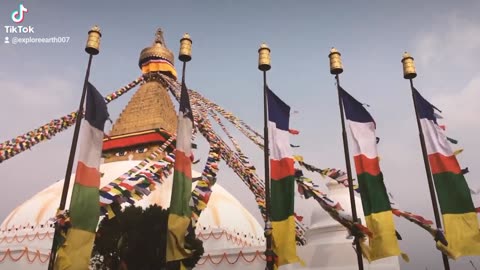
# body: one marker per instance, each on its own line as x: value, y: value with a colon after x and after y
x: 155, y: 63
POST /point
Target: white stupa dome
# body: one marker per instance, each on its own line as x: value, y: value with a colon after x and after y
x: 232, y: 237
x: 26, y: 234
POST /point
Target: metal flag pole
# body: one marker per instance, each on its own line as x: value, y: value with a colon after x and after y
x: 409, y: 73
x: 184, y: 55
x: 336, y: 68
x: 92, y: 48
x: 264, y: 66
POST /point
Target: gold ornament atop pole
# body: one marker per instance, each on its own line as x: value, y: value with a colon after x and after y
x: 264, y: 57
x: 336, y: 66
x: 408, y: 67
x: 93, y: 41
x: 185, y: 54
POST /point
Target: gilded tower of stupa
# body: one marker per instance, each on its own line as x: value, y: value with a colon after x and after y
x: 150, y: 115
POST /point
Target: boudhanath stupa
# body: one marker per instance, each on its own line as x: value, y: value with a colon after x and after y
x: 233, y: 239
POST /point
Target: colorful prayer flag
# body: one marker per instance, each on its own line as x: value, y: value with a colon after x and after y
x: 75, y: 253
x: 375, y: 201
x: 282, y: 181
x: 179, y: 219
x: 458, y: 212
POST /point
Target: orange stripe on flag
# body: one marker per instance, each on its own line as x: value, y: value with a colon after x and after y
x: 86, y: 176
x: 364, y: 164
x: 183, y: 164
x: 282, y: 168
x: 440, y: 163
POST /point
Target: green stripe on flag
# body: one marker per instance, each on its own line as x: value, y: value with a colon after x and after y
x: 453, y: 193
x: 181, y: 195
x: 282, y: 198
x: 85, y: 207
x: 374, y: 194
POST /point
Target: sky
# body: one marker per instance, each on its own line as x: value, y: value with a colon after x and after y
x: 41, y: 82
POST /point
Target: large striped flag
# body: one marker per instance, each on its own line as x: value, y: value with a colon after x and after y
x: 458, y: 213
x: 375, y: 201
x: 283, y: 182
x: 179, y: 219
x: 75, y: 253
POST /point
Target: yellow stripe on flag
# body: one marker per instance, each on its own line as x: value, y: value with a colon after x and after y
x: 384, y: 241
x: 110, y: 212
x: 76, y: 252
x: 177, y: 226
x: 284, y: 244
x: 462, y: 234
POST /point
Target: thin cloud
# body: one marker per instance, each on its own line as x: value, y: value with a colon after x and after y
x: 452, y: 43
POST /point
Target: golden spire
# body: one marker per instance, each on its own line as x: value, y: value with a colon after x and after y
x: 135, y: 133
x: 158, y: 49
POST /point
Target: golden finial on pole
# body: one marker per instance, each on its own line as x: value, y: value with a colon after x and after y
x: 93, y: 42
x: 408, y: 67
x: 336, y: 66
x: 264, y: 57
x: 185, y: 54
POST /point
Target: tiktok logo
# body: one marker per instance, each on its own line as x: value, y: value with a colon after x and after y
x: 18, y: 15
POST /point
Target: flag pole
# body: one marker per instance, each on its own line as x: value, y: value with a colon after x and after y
x: 92, y: 48
x: 184, y: 55
x: 264, y: 66
x: 409, y: 73
x: 336, y: 68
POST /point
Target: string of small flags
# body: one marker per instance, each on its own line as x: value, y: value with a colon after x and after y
x: 335, y: 174
x: 17, y: 145
x: 203, y: 189
x: 308, y: 189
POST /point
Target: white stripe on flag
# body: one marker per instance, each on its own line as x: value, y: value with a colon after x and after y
x: 364, y: 139
x: 279, y: 142
x: 184, y: 134
x: 91, y: 141
x: 435, y: 139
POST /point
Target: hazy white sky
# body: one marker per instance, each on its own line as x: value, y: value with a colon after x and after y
x: 41, y: 82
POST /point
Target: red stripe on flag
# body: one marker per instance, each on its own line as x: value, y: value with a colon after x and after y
x: 364, y: 164
x: 86, y: 176
x: 125, y: 185
x: 440, y: 163
x: 281, y: 168
x: 183, y: 164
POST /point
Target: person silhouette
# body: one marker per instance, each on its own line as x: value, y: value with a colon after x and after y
x: 7, y: 40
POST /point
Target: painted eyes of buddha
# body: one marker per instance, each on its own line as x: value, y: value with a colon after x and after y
x: 137, y: 151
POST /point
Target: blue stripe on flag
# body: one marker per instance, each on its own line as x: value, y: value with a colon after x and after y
x: 354, y: 110
x: 96, y: 109
x: 278, y: 111
x: 425, y: 109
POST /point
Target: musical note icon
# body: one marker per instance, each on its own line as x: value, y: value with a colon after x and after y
x: 18, y: 15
